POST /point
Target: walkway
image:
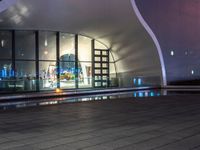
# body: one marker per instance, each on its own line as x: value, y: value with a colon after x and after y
x: 161, y: 123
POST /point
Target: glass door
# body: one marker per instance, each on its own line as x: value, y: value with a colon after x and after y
x: 101, y: 68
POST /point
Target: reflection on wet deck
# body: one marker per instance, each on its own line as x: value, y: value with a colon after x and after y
x: 52, y: 101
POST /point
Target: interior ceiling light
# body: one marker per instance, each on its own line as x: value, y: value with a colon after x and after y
x: 45, y: 43
x: 2, y: 43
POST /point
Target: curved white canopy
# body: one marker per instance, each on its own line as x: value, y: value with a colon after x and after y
x: 112, y: 22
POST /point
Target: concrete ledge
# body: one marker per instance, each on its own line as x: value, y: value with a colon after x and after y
x: 185, y: 87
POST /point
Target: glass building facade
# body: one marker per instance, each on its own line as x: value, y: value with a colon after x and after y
x: 45, y: 60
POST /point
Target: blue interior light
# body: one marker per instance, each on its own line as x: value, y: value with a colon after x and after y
x: 139, y: 81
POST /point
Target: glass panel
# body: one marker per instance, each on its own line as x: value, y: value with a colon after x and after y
x: 48, y: 77
x: 97, y: 71
x: 104, y: 65
x: 67, y: 47
x: 84, y: 49
x: 104, y: 77
x: 67, y: 75
x: 97, y: 58
x: 47, y: 46
x: 25, y: 75
x: 25, y: 45
x: 97, y: 84
x: 105, y: 53
x: 6, y: 76
x: 5, y: 45
x: 105, y: 84
x: 97, y: 77
x: 67, y: 57
x: 105, y: 59
x: 99, y: 45
x: 104, y: 71
x: 97, y: 52
x: 97, y: 65
x: 84, y: 75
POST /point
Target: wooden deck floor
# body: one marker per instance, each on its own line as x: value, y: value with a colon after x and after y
x: 161, y: 123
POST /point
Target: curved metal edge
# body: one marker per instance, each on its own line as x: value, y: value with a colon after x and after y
x: 149, y: 30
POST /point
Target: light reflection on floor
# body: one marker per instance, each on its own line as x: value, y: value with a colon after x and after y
x: 146, y: 93
x: 53, y: 101
x: 136, y: 94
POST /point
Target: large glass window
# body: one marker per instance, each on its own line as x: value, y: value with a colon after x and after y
x: 84, y: 48
x: 5, y: 45
x: 47, y: 46
x: 25, y: 75
x: 25, y: 45
x: 85, y: 75
x: 67, y: 61
x: 48, y: 75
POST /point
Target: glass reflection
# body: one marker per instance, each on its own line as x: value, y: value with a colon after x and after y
x: 85, y: 75
x: 99, y: 97
x: 67, y: 75
x: 25, y: 45
x: 47, y: 46
x: 6, y: 76
x: 67, y: 44
x: 48, y: 75
x: 5, y: 45
x: 137, y: 81
x: 146, y: 93
x: 84, y: 49
x: 25, y: 76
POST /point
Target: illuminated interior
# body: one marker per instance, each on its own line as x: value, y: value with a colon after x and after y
x: 44, y: 60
